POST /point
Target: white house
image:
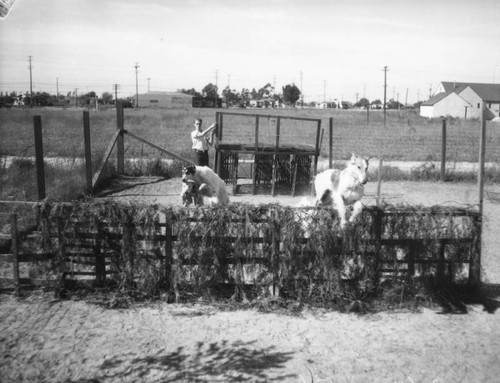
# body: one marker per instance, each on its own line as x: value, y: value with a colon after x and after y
x: 445, y: 104
x: 463, y: 100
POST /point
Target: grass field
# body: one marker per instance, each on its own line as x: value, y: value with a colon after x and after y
x: 406, y: 137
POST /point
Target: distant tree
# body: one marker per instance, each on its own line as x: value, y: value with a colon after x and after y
x: 191, y: 92
x: 377, y: 104
x: 266, y: 92
x: 363, y: 103
x: 291, y: 94
x: 106, y: 98
x: 254, y: 94
x: 210, y: 90
x: 393, y: 104
x: 87, y: 98
x: 246, y: 96
x: 231, y: 97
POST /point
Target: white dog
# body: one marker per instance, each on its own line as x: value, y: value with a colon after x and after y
x: 209, y: 184
x: 343, y: 188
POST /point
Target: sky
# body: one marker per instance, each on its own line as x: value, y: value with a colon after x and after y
x: 330, y: 49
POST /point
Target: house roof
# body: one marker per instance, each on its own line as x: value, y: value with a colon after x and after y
x: 488, y: 92
x: 436, y: 98
x: 171, y: 94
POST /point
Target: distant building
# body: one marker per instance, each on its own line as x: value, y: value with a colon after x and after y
x: 462, y: 100
x: 164, y: 100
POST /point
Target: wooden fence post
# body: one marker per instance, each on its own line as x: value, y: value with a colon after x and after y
x: 88, y: 152
x: 475, y: 259
x: 170, y: 269
x: 379, y: 181
x: 40, y: 171
x: 443, y: 150
x: 128, y: 253
x: 15, y: 252
x: 330, y: 143
x: 377, y: 222
x: 100, y: 261
x: 120, y: 143
x: 61, y: 249
x: 275, y: 248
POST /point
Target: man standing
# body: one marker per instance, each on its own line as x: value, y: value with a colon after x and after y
x: 202, y: 139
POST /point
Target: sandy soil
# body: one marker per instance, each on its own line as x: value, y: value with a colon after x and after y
x: 66, y: 341
x: 42, y: 340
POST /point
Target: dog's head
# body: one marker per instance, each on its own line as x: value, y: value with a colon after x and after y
x: 189, y: 192
x: 188, y: 172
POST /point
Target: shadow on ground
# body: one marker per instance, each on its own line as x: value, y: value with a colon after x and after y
x: 218, y: 361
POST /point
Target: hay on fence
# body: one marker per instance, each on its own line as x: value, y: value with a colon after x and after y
x: 244, y: 251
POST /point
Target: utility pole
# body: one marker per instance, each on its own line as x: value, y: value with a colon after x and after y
x: 229, y: 81
x: 324, y: 91
x: 116, y: 92
x: 136, y: 85
x: 406, y: 98
x: 30, y: 67
x: 430, y: 90
x: 216, y: 77
x: 385, y: 92
x: 149, y: 78
x: 76, y: 97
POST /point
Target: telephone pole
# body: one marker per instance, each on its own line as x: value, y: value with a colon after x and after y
x: 385, y: 91
x: 30, y: 67
x: 57, y: 86
x: 136, y: 85
x: 115, y: 86
x: 149, y: 78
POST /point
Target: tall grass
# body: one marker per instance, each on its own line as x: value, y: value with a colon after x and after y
x: 406, y: 136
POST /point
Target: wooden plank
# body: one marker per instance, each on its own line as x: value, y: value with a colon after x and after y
x: 88, y: 151
x: 15, y: 251
x: 40, y: 170
x: 269, y: 116
x: 176, y: 156
x: 100, y: 263
x: 120, y: 143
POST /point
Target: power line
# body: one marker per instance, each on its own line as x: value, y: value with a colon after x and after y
x: 136, y: 85
x: 385, y: 91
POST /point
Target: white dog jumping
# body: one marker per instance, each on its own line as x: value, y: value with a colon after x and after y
x: 206, y: 182
x: 343, y: 188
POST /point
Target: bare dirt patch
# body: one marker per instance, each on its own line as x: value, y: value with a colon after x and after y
x: 55, y: 341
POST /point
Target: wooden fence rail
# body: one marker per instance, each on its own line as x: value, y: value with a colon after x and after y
x: 270, y: 248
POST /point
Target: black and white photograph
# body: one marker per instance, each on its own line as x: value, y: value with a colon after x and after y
x: 249, y: 191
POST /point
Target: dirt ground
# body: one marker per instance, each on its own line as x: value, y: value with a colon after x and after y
x: 45, y: 340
